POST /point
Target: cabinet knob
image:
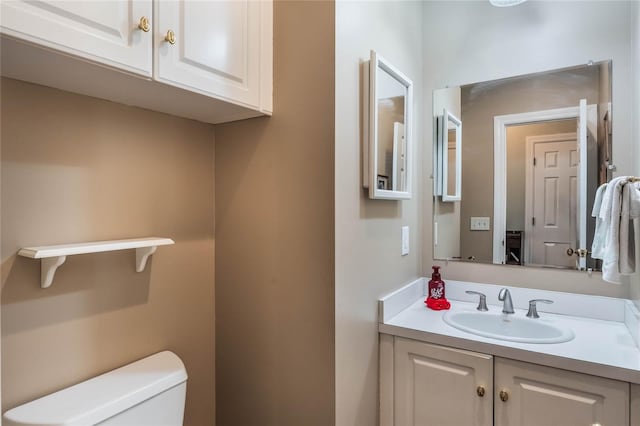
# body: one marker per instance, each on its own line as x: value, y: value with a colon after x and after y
x: 480, y: 391
x: 144, y: 24
x: 504, y: 396
x: 170, y: 37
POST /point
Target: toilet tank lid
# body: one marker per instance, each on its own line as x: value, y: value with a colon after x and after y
x: 104, y: 396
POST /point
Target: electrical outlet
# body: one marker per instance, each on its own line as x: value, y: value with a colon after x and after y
x: 405, y: 240
x: 480, y: 224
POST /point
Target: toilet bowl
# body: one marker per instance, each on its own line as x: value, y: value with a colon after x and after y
x: 148, y: 392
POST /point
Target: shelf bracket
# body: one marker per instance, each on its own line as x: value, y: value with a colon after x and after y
x: 142, y: 254
x: 51, y: 257
x: 48, y: 267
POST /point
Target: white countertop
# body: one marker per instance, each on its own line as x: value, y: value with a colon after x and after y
x: 601, y: 347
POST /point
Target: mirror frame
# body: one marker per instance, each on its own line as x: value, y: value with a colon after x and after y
x: 370, y: 170
x: 444, y: 152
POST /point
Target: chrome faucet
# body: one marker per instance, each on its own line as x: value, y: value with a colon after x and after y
x: 505, y: 296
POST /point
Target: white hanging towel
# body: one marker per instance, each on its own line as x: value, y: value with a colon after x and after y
x: 599, y: 235
x: 630, y: 211
x: 610, y: 215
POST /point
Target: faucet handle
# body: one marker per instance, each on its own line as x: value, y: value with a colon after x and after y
x: 482, y: 303
x: 533, y: 310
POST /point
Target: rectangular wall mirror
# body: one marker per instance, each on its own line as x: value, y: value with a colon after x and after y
x: 387, y: 153
x: 534, y: 151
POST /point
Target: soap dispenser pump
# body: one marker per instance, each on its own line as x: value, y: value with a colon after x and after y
x: 436, y: 299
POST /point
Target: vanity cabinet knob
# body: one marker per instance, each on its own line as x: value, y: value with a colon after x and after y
x: 170, y: 37
x: 480, y: 391
x: 504, y: 396
x: 144, y: 24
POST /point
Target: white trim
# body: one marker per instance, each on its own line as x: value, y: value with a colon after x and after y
x: 581, y: 224
x: 500, y: 123
x: 366, y: 123
x: 444, y: 143
x: 399, y: 151
x: 385, y: 379
x: 528, y: 183
x: 437, y: 159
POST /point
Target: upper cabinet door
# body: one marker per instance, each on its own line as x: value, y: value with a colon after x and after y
x: 103, y: 31
x: 213, y: 47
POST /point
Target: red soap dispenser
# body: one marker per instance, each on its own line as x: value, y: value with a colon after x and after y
x: 436, y: 299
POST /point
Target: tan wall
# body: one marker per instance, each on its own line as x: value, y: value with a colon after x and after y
x: 480, y: 104
x: 368, y: 232
x: 78, y: 169
x: 274, y: 237
x: 487, y: 43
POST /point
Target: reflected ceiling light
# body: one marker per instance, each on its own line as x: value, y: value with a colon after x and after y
x: 505, y: 3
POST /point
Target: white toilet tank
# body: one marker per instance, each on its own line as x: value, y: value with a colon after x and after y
x: 149, y: 392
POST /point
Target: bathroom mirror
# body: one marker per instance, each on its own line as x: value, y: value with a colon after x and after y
x: 534, y: 150
x: 387, y: 153
x: 449, y: 156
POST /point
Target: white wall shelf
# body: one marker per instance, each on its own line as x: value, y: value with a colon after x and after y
x: 54, y: 256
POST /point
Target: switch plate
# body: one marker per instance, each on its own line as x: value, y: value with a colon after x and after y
x: 405, y: 240
x: 480, y: 224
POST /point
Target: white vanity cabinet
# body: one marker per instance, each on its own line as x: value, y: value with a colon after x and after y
x: 207, y: 60
x: 437, y: 385
x: 536, y: 396
x: 108, y: 32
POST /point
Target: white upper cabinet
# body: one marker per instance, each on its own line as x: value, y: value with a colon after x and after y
x: 216, y: 50
x: 107, y: 32
x: 207, y: 60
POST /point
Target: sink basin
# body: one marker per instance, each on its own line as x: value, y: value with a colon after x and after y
x: 508, y: 327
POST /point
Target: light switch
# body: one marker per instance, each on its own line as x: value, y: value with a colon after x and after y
x: 480, y: 224
x: 405, y: 240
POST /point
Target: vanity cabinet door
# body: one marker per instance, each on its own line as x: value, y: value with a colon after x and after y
x: 534, y: 395
x: 216, y: 48
x: 106, y: 32
x: 435, y: 385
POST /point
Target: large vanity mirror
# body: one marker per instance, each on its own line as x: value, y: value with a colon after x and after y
x: 534, y: 150
x: 387, y: 154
